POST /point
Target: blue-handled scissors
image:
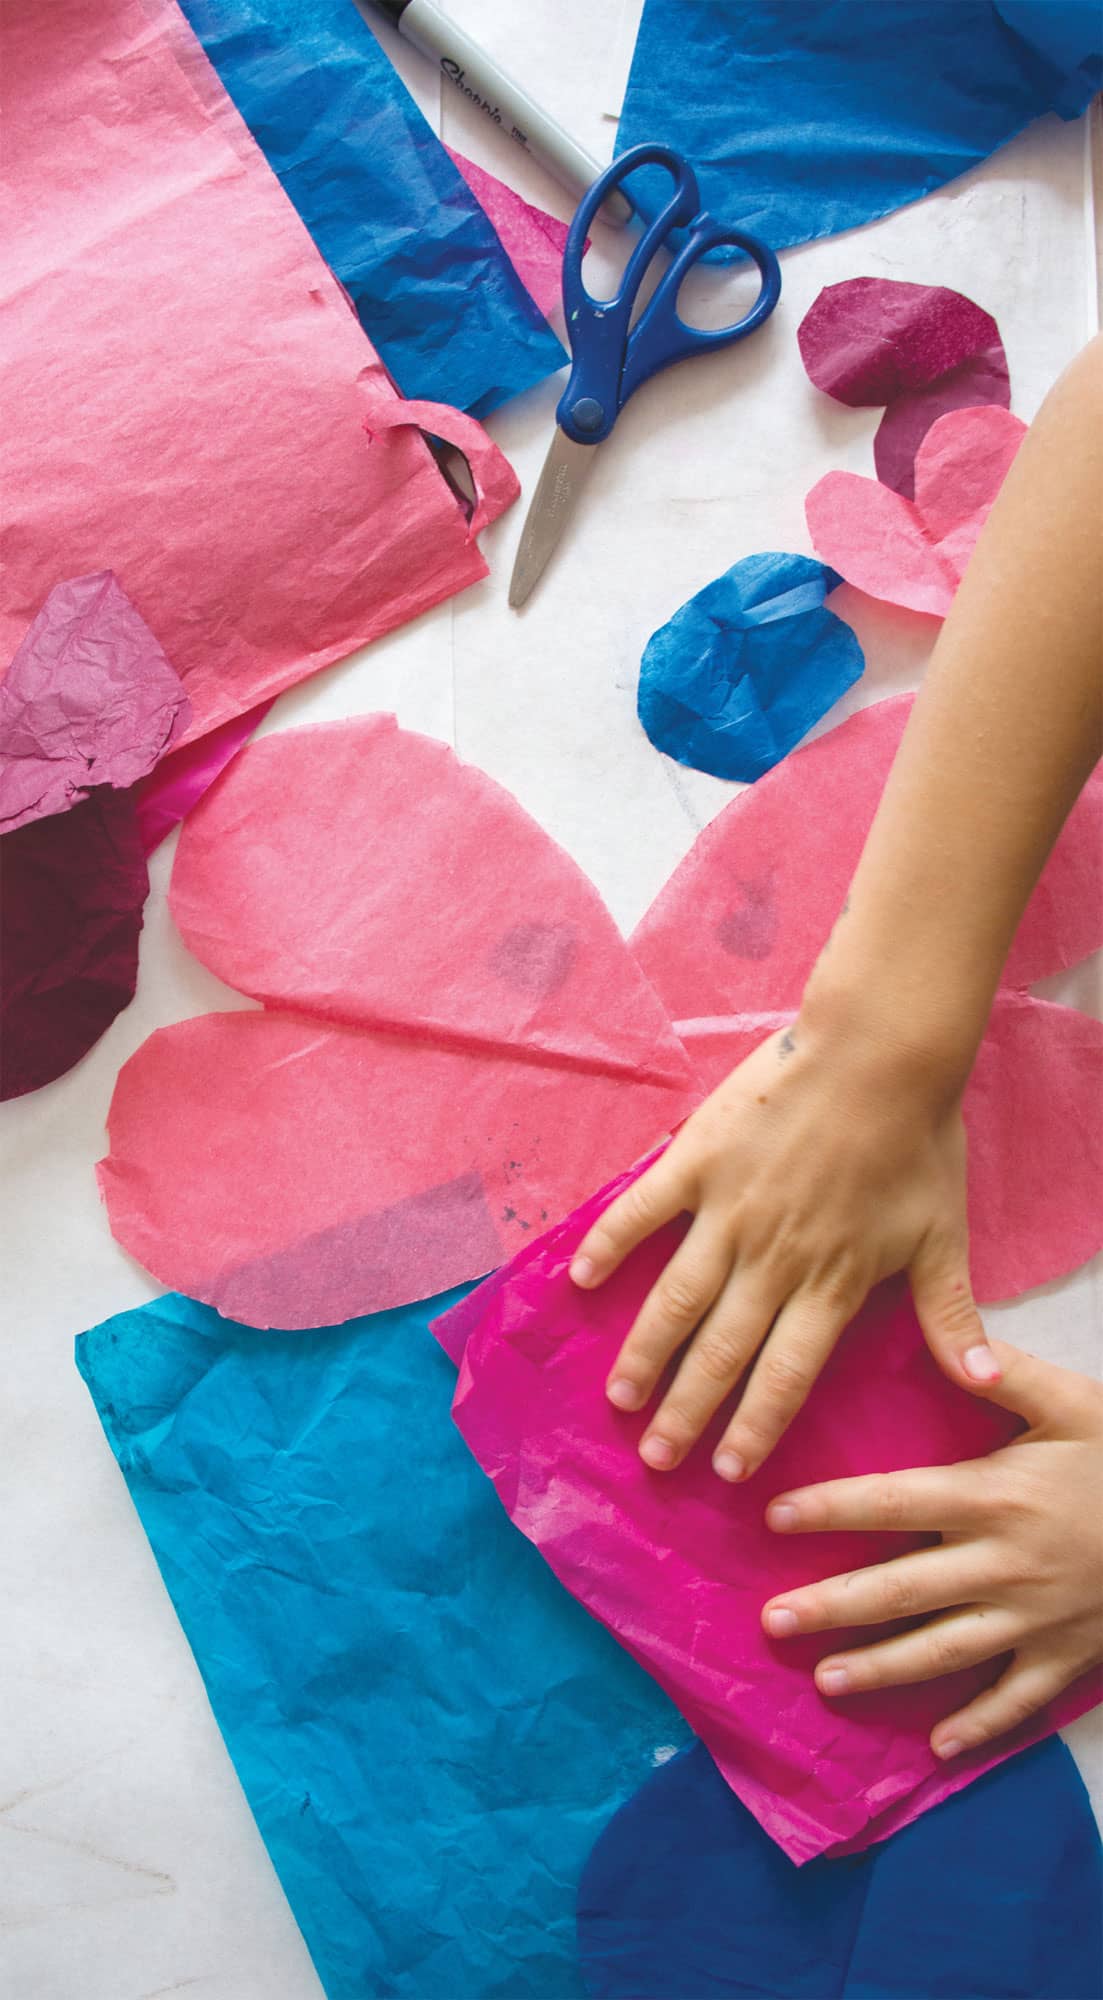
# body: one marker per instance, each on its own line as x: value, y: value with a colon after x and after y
x: 610, y: 357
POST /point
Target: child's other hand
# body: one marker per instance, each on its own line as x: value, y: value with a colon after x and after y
x: 1019, y: 1569
x: 824, y: 1163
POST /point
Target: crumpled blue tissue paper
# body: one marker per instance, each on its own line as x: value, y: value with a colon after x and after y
x: 430, y: 1731
x: 744, y: 669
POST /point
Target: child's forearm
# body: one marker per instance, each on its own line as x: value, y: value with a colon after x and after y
x: 1003, y: 735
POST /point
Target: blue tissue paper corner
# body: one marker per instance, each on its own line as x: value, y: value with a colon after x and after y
x: 745, y: 668
x: 430, y: 1731
x: 391, y: 215
x: 806, y: 117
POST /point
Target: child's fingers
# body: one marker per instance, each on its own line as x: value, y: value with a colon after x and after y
x: 934, y: 1499
x: 1047, y: 1397
x: 947, y: 1312
x: 802, y: 1337
x: 726, y: 1340
x: 944, y: 1646
x: 1017, y: 1695
x: 660, y: 1194
x: 931, y: 1580
x: 677, y: 1301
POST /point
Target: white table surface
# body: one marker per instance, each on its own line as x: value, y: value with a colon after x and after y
x: 129, y: 1863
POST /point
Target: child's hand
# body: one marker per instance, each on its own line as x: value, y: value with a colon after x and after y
x: 823, y: 1164
x: 1019, y: 1569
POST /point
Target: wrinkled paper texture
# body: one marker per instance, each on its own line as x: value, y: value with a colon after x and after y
x: 430, y: 1733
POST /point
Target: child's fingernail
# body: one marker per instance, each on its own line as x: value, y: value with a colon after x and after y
x: 833, y: 1680
x: 980, y: 1364
x: 950, y: 1746
x: 729, y: 1465
x: 781, y: 1623
x: 658, y: 1453
x: 783, y: 1516
x: 582, y: 1271
x: 624, y: 1394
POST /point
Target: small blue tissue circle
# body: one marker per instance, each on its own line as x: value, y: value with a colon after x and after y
x: 745, y: 668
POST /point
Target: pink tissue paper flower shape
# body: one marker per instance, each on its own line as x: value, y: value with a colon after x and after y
x: 914, y: 553
x: 729, y: 943
x: 678, y: 1566
x: 919, y: 350
x: 454, y: 1034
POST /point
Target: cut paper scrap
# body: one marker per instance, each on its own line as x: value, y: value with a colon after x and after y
x: 88, y: 700
x: 746, y: 667
x: 534, y: 240
x: 423, y: 263
x: 680, y: 1565
x: 922, y: 350
x: 72, y: 887
x: 730, y: 941
x: 180, y: 779
x: 914, y: 552
x: 805, y: 120
x: 430, y: 1733
x: 995, y: 1891
x: 433, y: 949
x: 496, y: 484
x: 213, y: 441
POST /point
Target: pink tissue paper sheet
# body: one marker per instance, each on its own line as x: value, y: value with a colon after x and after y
x: 921, y: 350
x: 186, y: 384
x: 179, y: 781
x: 909, y: 552
x: 454, y: 1034
x: 729, y: 942
x: 679, y: 1565
x: 88, y: 700
x: 533, y: 240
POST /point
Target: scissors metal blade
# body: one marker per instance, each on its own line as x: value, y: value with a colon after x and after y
x: 565, y: 471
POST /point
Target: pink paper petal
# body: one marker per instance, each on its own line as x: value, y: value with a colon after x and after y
x: 678, y: 1566
x: 187, y: 384
x: 72, y: 887
x: 909, y: 417
x: 496, y: 484
x: 921, y: 349
x: 362, y: 873
x: 533, y: 240
x: 88, y: 700
x: 293, y: 1173
x: 180, y: 779
x: 868, y: 340
x: 915, y: 553
x: 742, y: 920
x: 1035, y: 1146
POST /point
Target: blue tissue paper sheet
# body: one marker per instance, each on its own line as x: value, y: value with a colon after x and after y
x: 805, y: 119
x: 993, y: 1895
x: 430, y: 1731
x: 420, y: 259
x: 742, y: 671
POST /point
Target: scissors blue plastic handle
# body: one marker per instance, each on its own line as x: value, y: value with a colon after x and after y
x: 609, y: 362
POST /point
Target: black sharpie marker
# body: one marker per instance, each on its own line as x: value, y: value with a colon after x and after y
x: 480, y: 80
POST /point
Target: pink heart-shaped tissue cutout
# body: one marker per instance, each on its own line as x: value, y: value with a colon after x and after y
x: 363, y: 873
x: 914, y: 553
x: 294, y: 1173
x: 742, y: 920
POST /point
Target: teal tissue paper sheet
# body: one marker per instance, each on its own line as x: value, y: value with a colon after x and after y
x: 806, y: 117
x: 430, y: 1731
x: 394, y: 219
